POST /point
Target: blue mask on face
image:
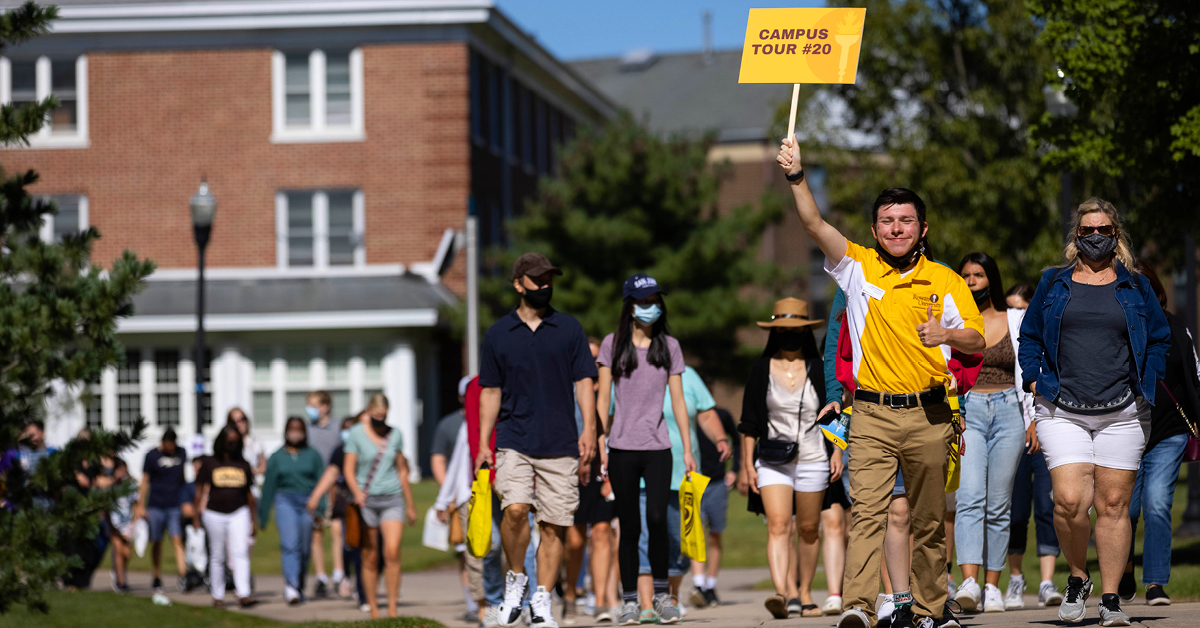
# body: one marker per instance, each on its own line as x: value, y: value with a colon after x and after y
x: 345, y: 435
x: 647, y: 314
x: 312, y: 412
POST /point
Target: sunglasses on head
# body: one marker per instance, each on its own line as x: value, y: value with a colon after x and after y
x: 1104, y: 230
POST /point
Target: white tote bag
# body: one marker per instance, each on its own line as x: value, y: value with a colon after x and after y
x: 436, y: 534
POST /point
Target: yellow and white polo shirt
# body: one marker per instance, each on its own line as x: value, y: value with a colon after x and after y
x: 883, y: 309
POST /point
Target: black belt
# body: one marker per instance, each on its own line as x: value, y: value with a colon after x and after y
x: 930, y: 397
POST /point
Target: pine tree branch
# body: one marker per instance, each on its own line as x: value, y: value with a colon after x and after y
x: 25, y: 22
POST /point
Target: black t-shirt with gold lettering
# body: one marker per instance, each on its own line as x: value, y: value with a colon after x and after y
x: 229, y: 483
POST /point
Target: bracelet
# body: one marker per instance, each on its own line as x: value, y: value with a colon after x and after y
x: 723, y: 440
x: 795, y: 177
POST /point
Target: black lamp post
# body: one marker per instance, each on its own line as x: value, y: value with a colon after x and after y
x: 204, y: 209
x: 1060, y: 106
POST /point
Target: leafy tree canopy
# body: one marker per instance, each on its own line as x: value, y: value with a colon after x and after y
x: 57, y: 330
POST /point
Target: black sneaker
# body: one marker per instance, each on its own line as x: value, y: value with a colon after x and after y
x: 710, y: 595
x: 182, y: 584
x: 948, y: 619
x: 1155, y: 596
x: 322, y: 590
x: 157, y: 586
x: 903, y: 617
x: 1128, y: 587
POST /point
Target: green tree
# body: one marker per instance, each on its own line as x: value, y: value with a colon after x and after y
x: 628, y: 201
x: 1132, y: 67
x: 946, y: 93
x: 57, y: 324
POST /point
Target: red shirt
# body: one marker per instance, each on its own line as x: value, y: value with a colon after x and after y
x: 471, y: 408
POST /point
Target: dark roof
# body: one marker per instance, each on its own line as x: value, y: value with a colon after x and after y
x: 689, y: 93
x: 287, y: 295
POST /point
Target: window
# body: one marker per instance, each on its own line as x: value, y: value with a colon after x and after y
x: 166, y: 379
x: 349, y: 373
x: 93, y: 404
x: 129, y: 392
x: 72, y: 217
x: 27, y: 81
x: 320, y: 229
x: 317, y: 96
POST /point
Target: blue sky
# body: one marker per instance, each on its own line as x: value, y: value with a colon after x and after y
x: 572, y: 29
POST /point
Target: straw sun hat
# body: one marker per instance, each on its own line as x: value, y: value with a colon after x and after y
x: 790, y: 313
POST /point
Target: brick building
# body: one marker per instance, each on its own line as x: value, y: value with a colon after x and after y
x: 344, y: 143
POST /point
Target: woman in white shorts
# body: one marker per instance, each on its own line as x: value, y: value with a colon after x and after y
x: 786, y: 461
x: 1093, y: 347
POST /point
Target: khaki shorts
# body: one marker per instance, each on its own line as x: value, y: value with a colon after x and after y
x: 557, y: 496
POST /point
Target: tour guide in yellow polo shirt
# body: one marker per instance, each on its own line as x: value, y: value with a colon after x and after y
x: 904, y: 313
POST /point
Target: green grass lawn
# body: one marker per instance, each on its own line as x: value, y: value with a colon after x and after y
x: 265, y: 555
x: 746, y: 535
x: 109, y: 610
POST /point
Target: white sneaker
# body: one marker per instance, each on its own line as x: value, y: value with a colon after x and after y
x: 1015, y: 596
x: 540, y: 613
x: 515, y: 587
x: 1048, y: 594
x: 833, y: 605
x: 993, y: 600
x: 491, y: 617
x: 968, y: 595
x: 366, y: 608
x: 884, y: 608
x: 290, y: 594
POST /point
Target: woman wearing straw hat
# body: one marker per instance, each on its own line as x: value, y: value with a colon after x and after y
x: 785, y: 457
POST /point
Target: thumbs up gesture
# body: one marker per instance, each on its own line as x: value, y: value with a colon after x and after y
x: 931, y: 331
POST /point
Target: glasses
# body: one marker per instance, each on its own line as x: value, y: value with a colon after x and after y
x: 1104, y: 230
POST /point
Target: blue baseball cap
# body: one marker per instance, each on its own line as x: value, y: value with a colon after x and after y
x: 640, y: 286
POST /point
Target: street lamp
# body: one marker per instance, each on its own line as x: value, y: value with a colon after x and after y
x: 1060, y: 106
x: 204, y: 209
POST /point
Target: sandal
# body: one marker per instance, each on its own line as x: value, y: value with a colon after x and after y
x: 777, y: 606
x: 810, y: 610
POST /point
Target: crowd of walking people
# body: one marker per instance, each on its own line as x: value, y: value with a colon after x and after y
x: 966, y: 409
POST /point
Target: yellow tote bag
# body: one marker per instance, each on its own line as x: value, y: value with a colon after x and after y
x: 957, y: 446
x: 691, y: 532
x: 479, y: 518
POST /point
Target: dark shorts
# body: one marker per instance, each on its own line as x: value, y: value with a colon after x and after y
x: 593, y: 508
x: 163, y: 519
x: 836, y: 494
x: 714, y: 504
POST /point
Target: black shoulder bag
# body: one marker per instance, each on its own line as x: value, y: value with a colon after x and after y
x: 775, y: 451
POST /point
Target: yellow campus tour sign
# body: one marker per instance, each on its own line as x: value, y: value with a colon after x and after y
x: 802, y: 45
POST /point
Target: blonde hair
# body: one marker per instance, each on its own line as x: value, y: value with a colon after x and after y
x: 377, y: 402
x: 1124, y: 252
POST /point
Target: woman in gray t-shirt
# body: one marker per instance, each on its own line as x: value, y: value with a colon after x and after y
x: 639, y: 362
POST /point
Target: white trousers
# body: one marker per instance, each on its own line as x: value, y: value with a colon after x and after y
x: 228, y: 534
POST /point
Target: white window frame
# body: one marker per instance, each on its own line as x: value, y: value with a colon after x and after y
x: 45, y: 138
x: 46, y: 233
x: 320, y: 223
x: 318, y: 130
x: 318, y: 379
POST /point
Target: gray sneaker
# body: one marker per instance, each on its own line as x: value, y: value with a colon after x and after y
x: 668, y: 611
x: 853, y: 618
x: 1073, y: 606
x: 1111, y: 613
x: 629, y: 614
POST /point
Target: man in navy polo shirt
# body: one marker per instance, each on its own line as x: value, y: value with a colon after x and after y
x: 158, y: 503
x: 534, y: 363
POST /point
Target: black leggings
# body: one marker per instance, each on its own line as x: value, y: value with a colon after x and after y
x: 625, y: 468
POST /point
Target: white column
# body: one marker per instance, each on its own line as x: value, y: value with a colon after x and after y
x: 229, y: 381
x: 64, y: 413
x: 279, y: 387
x: 147, y: 382
x: 108, y: 398
x: 187, y: 405
x: 400, y: 386
x: 358, y: 369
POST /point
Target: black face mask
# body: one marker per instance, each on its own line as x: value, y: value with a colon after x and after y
x: 1095, y: 247
x: 379, y: 426
x: 902, y: 262
x: 790, y: 341
x: 539, y: 299
x: 233, y: 449
x: 982, y: 296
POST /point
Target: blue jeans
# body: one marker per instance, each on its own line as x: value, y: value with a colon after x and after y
x: 995, y: 437
x: 1153, y: 495
x: 295, y: 536
x: 1031, y: 491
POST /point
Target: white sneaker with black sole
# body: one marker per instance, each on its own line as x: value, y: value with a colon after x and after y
x: 540, y: 613
x: 516, y: 585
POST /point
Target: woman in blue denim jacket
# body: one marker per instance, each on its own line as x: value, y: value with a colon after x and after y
x: 1093, y: 347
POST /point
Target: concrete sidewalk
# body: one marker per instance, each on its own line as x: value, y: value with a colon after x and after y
x: 437, y: 595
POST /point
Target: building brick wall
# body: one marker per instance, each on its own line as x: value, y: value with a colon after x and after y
x: 160, y: 120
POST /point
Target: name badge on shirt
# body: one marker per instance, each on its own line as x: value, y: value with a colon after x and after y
x: 872, y: 290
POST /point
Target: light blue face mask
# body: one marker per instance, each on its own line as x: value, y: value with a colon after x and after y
x: 312, y: 412
x: 647, y: 314
x: 345, y: 435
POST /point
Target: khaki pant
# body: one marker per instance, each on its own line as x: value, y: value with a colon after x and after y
x: 917, y: 439
x: 474, y: 565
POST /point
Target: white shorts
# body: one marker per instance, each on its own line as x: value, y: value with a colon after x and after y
x: 1113, y: 440
x: 803, y: 477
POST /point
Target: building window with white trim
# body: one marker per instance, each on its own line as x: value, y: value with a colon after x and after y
x: 72, y: 217
x: 166, y: 380
x: 27, y: 81
x: 129, y: 391
x: 317, y: 96
x: 320, y: 229
x: 93, y: 404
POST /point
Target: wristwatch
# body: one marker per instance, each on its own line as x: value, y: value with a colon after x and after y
x: 795, y: 177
